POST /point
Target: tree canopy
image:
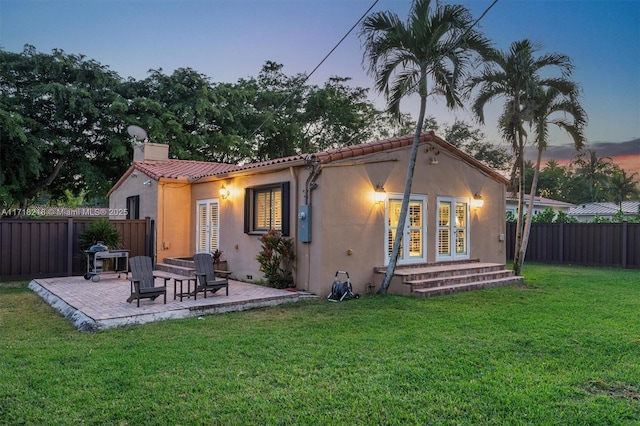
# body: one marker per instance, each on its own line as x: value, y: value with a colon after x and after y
x: 63, y: 121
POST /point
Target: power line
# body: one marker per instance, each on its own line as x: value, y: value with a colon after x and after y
x: 317, y: 66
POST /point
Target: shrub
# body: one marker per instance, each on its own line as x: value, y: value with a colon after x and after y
x: 276, y: 259
x: 100, y: 230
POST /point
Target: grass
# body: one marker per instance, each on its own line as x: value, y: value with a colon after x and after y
x: 563, y: 349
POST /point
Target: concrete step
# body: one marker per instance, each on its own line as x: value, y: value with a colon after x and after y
x: 179, y: 261
x: 467, y: 278
x: 457, y: 288
x: 440, y: 271
x: 184, y: 271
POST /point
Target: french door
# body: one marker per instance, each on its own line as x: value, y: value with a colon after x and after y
x: 208, y: 226
x: 453, y: 229
x: 413, y: 248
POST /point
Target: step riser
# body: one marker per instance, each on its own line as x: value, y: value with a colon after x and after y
x: 453, y: 273
x: 442, y: 291
x: 179, y: 262
x: 458, y: 279
x: 175, y: 269
x: 383, y: 269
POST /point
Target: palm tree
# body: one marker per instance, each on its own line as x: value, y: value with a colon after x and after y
x: 428, y: 54
x: 623, y: 187
x: 552, y: 107
x: 515, y: 76
x: 593, y: 172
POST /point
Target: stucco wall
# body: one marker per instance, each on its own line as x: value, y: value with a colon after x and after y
x: 174, y: 221
x: 134, y: 185
x: 352, y: 224
x: 240, y: 249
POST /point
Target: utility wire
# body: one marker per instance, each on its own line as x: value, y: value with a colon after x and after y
x: 316, y: 68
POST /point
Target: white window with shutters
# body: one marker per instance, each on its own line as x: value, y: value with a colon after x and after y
x: 412, y: 248
x: 453, y: 229
x: 208, y: 226
x: 268, y: 209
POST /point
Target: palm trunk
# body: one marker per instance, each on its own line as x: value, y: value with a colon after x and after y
x: 519, y: 223
x: 407, y: 193
x: 527, y: 227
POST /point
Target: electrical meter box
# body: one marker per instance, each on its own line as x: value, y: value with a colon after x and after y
x: 304, y: 223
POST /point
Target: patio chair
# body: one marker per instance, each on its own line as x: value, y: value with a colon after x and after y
x: 207, y: 280
x: 143, y: 280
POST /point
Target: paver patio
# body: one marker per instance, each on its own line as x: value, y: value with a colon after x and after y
x: 93, y: 306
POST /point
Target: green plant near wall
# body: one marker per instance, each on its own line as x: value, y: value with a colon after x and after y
x: 276, y: 259
x: 100, y: 230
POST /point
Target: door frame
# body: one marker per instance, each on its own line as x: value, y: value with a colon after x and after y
x: 209, y: 227
x: 453, y: 229
x: 406, y: 259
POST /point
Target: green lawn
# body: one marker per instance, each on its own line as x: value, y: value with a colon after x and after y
x: 562, y: 349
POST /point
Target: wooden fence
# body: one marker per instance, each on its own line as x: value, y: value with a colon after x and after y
x: 594, y: 244
x: 33, y: 248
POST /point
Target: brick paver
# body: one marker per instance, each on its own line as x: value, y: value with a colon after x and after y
x: 103, y: 304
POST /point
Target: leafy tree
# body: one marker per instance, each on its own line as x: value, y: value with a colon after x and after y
x: 518, y: 77
x: 60, y: 117
x: 546, y: 216
x: 429, y: 54
x: 472, y: 141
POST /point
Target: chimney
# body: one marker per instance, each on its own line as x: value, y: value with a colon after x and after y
x: 151, y: 152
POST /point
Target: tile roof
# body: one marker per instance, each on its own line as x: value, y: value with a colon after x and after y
x: 353, y: 151
x: 174, y: 169
x: 192, y: 170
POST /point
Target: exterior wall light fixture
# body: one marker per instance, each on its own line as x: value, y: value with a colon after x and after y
x: 224, y: 193
x: 477, y: 201
x: 380, y: 193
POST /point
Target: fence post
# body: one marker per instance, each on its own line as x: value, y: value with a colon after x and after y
x: 624, y: 244
x: 561, y: 245
x: 69, y: 246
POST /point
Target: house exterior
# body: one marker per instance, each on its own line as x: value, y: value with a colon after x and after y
x: 587, y: 212
x: 540, y: 204
x: 341, y: 207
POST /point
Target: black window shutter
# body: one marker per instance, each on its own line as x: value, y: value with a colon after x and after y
x: 136, y: 202
x: 286, y: 214
x: 247, y: 210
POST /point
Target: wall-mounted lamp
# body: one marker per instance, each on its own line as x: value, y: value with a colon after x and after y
x: 147, y: 182
x: 380, y: 193
x: 477, y: 201
x: 224, y: 193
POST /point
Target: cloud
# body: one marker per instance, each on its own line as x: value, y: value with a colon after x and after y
x: 604, y: 149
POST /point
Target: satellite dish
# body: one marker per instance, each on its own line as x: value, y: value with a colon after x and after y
x: 136, y: 132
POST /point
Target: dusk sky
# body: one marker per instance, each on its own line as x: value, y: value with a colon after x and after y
x: 231, y: 39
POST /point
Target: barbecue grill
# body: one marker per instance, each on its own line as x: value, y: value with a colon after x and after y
x: 96, y: 255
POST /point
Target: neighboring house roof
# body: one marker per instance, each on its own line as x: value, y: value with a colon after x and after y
x: 540, y: 201
x: 194, y: 170
x: 605, y: 209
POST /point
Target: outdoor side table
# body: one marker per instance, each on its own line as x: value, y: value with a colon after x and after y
x: 182, y: 293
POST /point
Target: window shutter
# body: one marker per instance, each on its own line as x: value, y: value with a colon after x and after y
x: 247, y: 210
x: 286, y: 214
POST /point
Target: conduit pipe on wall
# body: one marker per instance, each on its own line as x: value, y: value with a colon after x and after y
x: 313, y: 163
